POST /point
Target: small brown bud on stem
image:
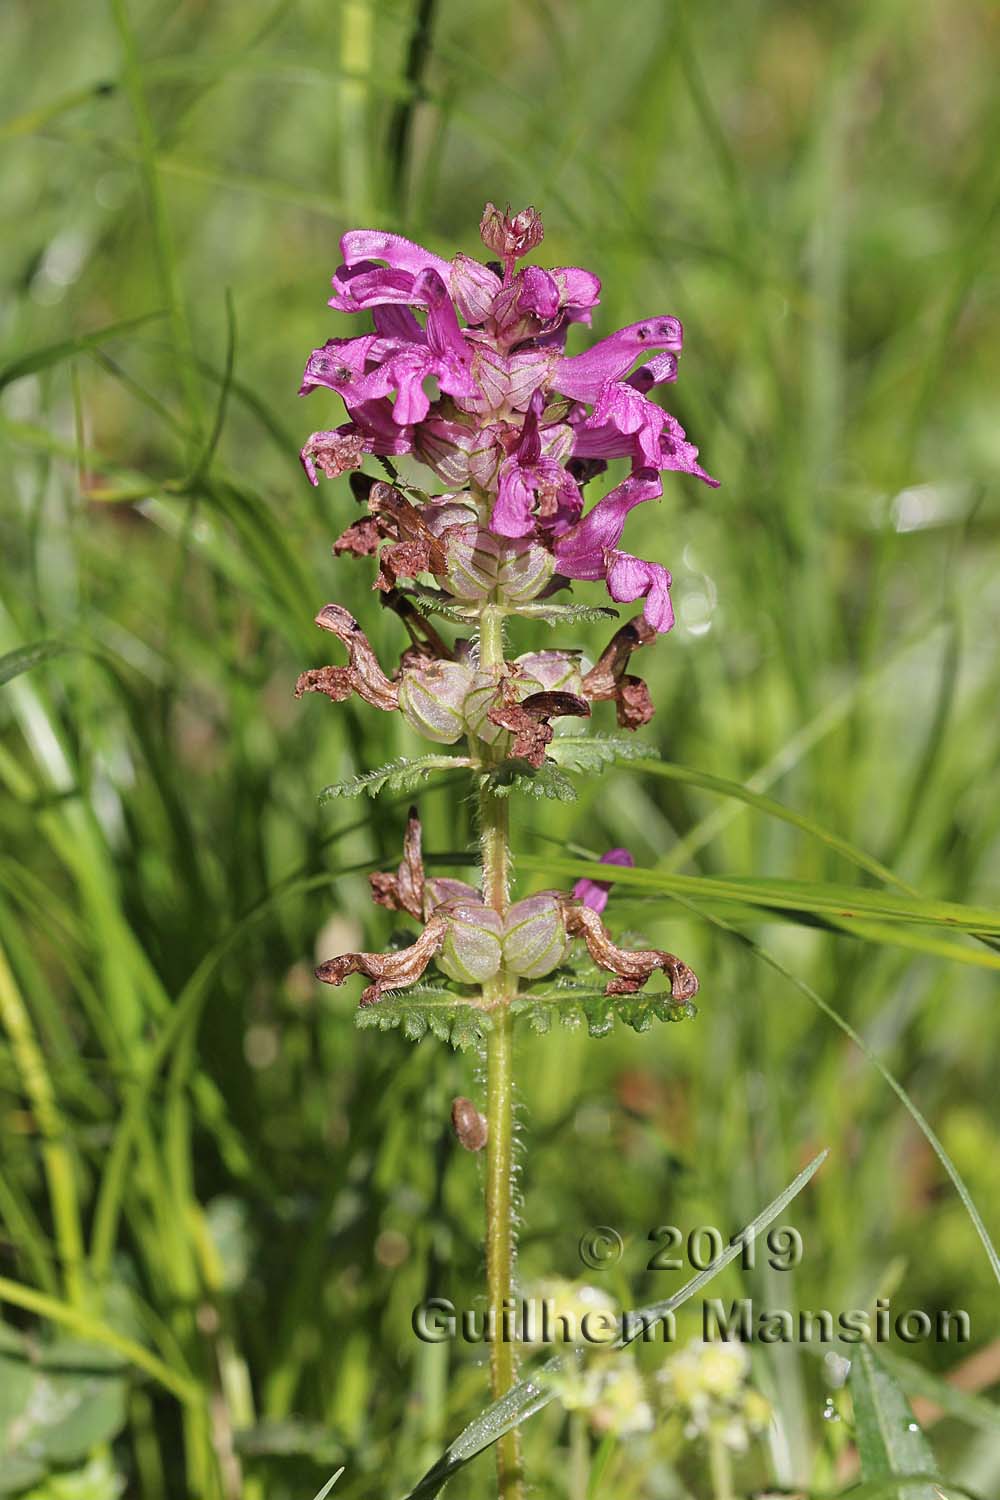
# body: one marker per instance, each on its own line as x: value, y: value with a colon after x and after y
x: 468, y: 1124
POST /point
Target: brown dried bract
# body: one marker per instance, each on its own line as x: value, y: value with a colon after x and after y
x: 361, y: 538
x: 387, y: 971
x: 469, y: 1125
x: 402, y: 560
x: 334, y: 453
x: 608, y: 679
x: 416, y: 549
x: 362, y: 675
x: 528, y: 720
x: 404, y: 891
x: 631, y: 967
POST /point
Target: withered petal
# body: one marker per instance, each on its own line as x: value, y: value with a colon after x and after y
x: 364, y: 672
x: 609, y: 680
x: 632, y: 967
x: 387, y: 971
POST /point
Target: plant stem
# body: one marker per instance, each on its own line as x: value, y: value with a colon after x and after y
x: 721, y: 1467
x: 500, y: 1233
x: 497, y: 995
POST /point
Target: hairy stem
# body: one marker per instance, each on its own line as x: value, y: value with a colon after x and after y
x: 497, y: 994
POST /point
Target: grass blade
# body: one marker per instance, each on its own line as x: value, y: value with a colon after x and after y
x: 890, y: 1443
x: 13, y: 663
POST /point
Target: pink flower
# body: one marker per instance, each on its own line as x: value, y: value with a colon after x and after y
x: 590, y: 550
x: 585, y: 375
x: 466, y: 369
x: 580, y: 552
x: 360, y: 283
x: 594, y: 893
x: 630, y: 578
x: 526, y: 477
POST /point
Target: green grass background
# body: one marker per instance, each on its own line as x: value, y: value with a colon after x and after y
x: 197, y: 1148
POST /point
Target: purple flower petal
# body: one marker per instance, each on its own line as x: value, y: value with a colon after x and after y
x: 515, y: 499
x: 527, y: 304
x: 623, y: 408
x: 630, y: 578
x: 678, y: 454
x: 594, y: 893
x: 359, y: 283
x: 358, y: 287
x: 399, y: 253
x: 376, y: 421
x: 397, y: 323
x: 583, y: 375
x: 338, y: 364
x: 579, y: 290
x: 656, y: 371
x: 444, y: 336
x: 580, y: 553
x: 474, y: 287
x: 527, y: 476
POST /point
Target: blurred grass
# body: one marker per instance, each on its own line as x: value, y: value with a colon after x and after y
x: 260, y: 1192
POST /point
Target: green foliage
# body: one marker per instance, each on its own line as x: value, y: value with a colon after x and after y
x: 567, y: 614
x: 57, y: 1404
x: 890, y: 1443
x: 544, y: 781
x: 13, y: 663
x: 397, y: 776
x: 534, y: 1393
x: 593, y: 753
x: 423, y: 1010
x: 573, y: 1005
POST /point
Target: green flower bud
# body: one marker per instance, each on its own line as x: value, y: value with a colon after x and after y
x: 534, y: 937
x: 432, y: 698
x: 471, y: 951
x: 483, y: 566
x: 525, y: 569
x: 478, y: 701
x: 551, y: 672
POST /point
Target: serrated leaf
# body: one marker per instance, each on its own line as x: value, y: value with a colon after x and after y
x: 575, y: 1006
x: 530, y: 1396
x: 517, y: 776
x: 440, y: 1012
x: 398, y: 776
x: 559, y: 614
x: 593, y: 752
x: 431, y: 603
x: 890, y: 1443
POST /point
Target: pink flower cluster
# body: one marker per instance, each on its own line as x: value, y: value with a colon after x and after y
x: 466, y: 370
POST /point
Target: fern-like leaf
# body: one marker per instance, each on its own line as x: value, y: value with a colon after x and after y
x: 594, y: 752
x: 397, y: 776
x: 517, y: 776
x: 575, y: 1006
x: 565, y: 614
x: 425, y: 1009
